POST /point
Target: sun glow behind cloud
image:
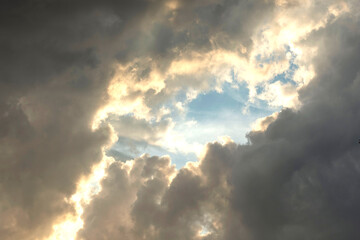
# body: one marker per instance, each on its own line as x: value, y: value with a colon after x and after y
x: 87, y: 188
x: 277, y: 48
x: 279, y: 38
x: 179, y: 119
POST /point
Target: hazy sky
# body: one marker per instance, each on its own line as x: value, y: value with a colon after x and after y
x: 179, y: 119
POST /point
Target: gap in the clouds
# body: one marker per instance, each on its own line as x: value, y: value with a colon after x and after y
x: 126, y: 149
x: 206, y: 116
x: 286, y: 77
x: 223, y: 113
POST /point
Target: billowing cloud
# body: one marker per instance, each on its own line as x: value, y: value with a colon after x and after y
x: 75, y: 76
x: 54, y: 77
x: 296, y: 179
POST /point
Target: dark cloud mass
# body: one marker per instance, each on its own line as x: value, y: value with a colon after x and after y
x: 54, y: 77
x: 298, y: 179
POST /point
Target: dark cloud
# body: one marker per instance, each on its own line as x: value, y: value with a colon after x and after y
x: 191, y: 27
x: 299, y: 179
x: 54, y: 72
x: 296, y: 179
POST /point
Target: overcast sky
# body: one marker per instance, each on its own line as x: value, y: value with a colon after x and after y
x: 179, y: 119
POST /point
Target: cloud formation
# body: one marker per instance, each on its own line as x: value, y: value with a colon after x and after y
x: 54, y: 77
x: 297, y: 179
x: 75, y: 74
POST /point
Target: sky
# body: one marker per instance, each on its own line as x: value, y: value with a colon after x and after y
x: 178, y: 119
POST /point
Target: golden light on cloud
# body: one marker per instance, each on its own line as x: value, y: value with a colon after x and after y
x: 87, y: 188
x: 129, y: 85
x: 261, y: 124
x: 133, y: 80
x: 172, y: 4
x: 176, y: 119
x: 126, y: 91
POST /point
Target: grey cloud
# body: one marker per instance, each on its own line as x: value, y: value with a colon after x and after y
x: 194, y: 26
x: 156, y: 210
x: 290, y: 180
x: 298, y: 179
x: 55, y: 71
x: 109, y: 215
x: 46, y: 145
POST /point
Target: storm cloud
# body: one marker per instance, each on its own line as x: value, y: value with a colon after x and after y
x: 53, y: 79
x: 76, y: 75
x: 298, y: 179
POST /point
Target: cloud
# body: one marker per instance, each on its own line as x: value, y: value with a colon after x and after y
x: 67, y: 66
x: 197, y: 47
x: 54, y: 77
x: 296, y: 179
x: 139, y: 129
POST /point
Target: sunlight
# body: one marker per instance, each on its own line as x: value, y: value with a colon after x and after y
x: 86, y: 190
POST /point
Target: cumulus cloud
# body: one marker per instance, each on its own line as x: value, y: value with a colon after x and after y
x: 296, y: 179
x: 54, y: 77
x: 73, y: 74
